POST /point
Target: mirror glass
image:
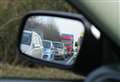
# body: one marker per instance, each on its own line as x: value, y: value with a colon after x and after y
x: 53, y: 39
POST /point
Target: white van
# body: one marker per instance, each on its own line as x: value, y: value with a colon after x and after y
x: 31, y: 44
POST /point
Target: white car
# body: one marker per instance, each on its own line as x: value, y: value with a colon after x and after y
x: 59, y: 50
x: 48, y: 50
x: 31, y: 44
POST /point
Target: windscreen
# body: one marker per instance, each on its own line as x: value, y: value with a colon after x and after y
x: 58, y: 45
x: 26, y: 39
x: 46, y: 44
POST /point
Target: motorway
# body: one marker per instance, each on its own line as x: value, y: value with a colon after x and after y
x: 67, y: 61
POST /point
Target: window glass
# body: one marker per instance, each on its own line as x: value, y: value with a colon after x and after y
x: 58, y: 45
x: 46, y: 44
x: 26, y: 38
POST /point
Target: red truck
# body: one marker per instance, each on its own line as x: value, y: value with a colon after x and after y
x: 68, y: 39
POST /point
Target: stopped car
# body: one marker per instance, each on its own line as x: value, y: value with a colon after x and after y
x: 59, y: 50
x: 48, y: 50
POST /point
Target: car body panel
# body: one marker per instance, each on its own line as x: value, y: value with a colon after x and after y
x: 34, y: 48
x: 105, y: 14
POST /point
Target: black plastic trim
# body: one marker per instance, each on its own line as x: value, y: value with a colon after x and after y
x: 55, y: 14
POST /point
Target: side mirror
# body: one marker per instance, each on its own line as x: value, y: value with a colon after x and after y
x: 52, y: 32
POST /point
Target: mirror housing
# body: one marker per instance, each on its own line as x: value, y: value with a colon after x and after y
x: 82, y: 50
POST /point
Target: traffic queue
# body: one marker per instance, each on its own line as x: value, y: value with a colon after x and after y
x: 48, y: 50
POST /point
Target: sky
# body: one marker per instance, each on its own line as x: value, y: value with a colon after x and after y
x: 64, y: 25
x: 70, y: 26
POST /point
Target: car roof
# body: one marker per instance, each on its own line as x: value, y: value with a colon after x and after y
x: 47, y: 41
x: 27, y: 31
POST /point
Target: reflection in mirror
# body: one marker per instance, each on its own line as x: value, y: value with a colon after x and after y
x: 52, y: 39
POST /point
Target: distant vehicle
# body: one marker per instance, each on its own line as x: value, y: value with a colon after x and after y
x: 31, y: 44
x: 65, y: 52
x: 68, y: 39
x: 48, y: 50
x: 59, y: 50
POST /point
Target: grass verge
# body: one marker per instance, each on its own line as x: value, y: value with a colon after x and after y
x: 37, y: 73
